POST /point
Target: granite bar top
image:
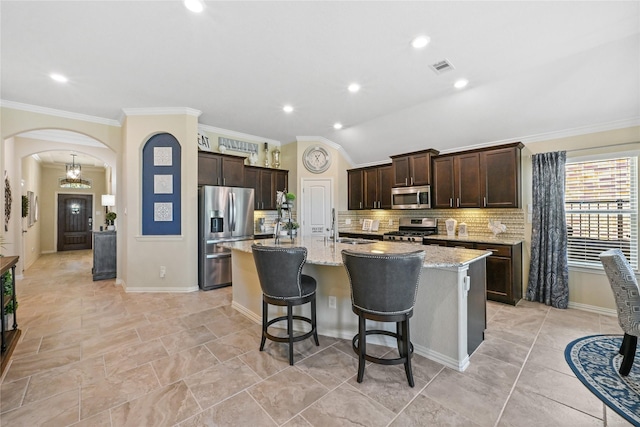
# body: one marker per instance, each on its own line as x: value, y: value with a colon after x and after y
x: 327, y: 253
x: 477, y: 239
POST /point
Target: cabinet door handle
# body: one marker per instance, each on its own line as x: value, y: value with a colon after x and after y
x: 360, y: 205
x: 450, y: 202
x: 406, y: 183
x: 484, y: 201
x: 458, y: 202
x: 224, y: 181
x: 411, y: 180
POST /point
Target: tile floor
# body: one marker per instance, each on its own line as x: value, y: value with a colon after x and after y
x: 93, y: 355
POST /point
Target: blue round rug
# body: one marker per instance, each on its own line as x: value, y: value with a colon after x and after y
x: 595, y: 361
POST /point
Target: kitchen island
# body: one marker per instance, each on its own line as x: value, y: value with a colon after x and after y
x: 450, y: 312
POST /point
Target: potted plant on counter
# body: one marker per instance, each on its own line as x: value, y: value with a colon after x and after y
x: 111, y: 217
x: 291, y: 226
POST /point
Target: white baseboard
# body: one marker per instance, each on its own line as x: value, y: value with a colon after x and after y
x: 247, y: 313
x: 593, y: 309
x: 47, y: 252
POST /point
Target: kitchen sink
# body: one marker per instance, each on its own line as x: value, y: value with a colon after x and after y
x: 353, y: 241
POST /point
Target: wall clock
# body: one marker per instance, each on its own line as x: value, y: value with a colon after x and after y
x: 316, y: 159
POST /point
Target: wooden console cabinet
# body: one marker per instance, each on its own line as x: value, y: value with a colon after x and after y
x: 104, y: 255
x: 9, y: 333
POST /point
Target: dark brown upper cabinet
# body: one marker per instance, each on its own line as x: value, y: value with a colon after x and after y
x: 412, y: 168
x: 265, y: 183
x: 220, y: 169
x: 377, y: 187
x: 487, y: 178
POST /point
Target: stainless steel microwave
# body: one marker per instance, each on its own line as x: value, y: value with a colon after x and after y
x: 411, y: 197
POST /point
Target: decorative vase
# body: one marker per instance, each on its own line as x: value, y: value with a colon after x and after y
x: 451, y: 227
x: 276, y: 158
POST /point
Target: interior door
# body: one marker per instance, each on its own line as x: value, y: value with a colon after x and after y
x: 74, y: 221
x: 316, y: 207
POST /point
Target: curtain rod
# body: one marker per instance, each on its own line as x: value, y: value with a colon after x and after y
x: 602, y: 146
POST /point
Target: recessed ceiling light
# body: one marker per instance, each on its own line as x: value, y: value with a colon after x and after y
x: 461, y: 83
x: 287, y: 108
x: 58, y: 77
x: 420, y: 42
x: 337, y: 126
x: 195, y: 6
x: 354, y: 87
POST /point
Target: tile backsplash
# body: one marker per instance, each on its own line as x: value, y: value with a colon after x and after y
x: 477, y: 220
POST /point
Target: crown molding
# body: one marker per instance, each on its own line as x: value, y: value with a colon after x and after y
x: 57, y: 113
x: 328, y: 142
x: 564, y: 133
x: 66, y: 137
x: 583, y: 130
x: 235, y: 134
x: 162, y: 111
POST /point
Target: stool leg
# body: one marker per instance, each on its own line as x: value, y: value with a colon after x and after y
x: 629, y: 354
x: 290, y: 331
x: 406, y: 345
x: 362, y: 346
x: 625, y: 344
x: 265, y: 312
x: 313, y: 320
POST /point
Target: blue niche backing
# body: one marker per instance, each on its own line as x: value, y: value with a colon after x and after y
x: 161, y: 189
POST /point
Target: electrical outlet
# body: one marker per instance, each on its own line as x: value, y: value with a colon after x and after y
x: 163, y: 271
x: 390, y: 222
x: 332, y: 302
x: 347, y: 221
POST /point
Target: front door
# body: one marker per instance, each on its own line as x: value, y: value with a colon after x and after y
x: 74, y: 221
x: 316, y: 207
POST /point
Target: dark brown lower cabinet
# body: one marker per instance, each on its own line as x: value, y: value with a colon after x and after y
x: 504, y: 268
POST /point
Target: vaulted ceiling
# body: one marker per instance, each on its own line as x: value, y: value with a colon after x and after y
x: 533, y: 67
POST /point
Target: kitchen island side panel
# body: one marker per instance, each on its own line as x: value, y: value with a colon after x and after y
x: 438, y: 326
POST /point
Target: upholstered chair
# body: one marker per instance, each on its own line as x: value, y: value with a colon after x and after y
x: 627, y: 295
x: 283, y: 284
x: 383, y: 289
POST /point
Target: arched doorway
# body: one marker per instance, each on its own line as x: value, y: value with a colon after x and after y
x: 39, y: 163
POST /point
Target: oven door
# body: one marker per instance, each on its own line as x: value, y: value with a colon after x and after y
x: 411, y: 197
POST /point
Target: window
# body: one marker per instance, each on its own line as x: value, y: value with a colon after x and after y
x: 601, y: 207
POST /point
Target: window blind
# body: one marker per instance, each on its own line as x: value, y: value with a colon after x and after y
x: 601, y: 207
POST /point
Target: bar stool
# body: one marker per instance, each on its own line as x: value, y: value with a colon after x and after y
x: 283, y: 284
x: 384, y: 289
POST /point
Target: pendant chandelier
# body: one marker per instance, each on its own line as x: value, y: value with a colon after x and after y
x: 73, y: 178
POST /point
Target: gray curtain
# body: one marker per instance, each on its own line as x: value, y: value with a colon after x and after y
x: 549, y: 271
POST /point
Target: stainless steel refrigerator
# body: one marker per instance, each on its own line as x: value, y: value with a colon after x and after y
x: 224, y: 214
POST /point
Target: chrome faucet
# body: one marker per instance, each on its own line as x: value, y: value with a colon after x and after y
x: 334, y: 228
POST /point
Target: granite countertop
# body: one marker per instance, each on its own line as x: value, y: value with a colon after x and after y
x: 477, y: 239
x: 327, y: 253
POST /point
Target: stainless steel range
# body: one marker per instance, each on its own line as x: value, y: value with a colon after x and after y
x: 413, y: 230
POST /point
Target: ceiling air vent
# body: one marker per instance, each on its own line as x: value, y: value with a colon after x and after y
x: 442, y: 66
